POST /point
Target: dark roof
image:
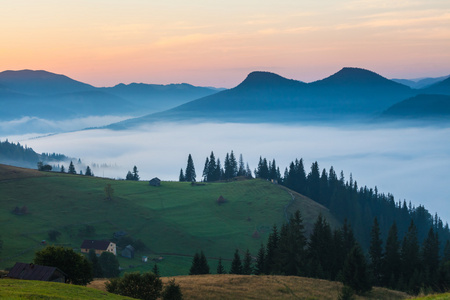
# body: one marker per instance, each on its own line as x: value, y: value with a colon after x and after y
x: 32, y: 272
x: 95, y: 244
x: 156, y: 179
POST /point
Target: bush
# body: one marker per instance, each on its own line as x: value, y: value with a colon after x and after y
x: 53, y: 235
x: 172, y: 291
x: 145, y: 286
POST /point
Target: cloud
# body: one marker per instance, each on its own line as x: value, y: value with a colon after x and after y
x: 411, y: 163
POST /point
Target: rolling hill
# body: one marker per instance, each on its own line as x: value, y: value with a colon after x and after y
x: 420, y: 83
x: 420, y: 107
x: 174, y: 220
x: 351, y: 93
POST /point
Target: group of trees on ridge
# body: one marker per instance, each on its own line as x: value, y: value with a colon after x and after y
x: 16, y: 152
x: 213, y: 170
x: 345, y: 199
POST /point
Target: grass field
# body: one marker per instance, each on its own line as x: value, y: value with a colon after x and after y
x: 29, y: 289
x: 174, y: 220
x: 231, y: 287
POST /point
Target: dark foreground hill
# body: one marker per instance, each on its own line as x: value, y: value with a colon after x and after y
x: 351, y: 93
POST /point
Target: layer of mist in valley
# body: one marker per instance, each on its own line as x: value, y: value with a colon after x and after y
x: 410, y: 162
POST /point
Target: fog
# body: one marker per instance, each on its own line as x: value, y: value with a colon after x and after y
x: 40, y: 126
x: 411, y: 163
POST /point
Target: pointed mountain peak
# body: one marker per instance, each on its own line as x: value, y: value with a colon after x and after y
x: 262, y: 78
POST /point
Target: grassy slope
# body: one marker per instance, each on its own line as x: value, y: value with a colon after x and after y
x: 263, y: 287
x: 30, y: 289
x: 174, y: 220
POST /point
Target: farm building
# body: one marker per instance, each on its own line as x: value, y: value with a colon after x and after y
x: 155, y: 182
x: 36, y: 272
x: 98, y: 246
x: 128, y: 252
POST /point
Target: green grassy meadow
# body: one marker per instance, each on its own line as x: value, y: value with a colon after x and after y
x: 174, y: 220
x: 32, y: 289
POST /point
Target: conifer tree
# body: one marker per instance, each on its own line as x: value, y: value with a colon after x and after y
x: 195, y: 266
x: 135, y: 174
x: 71, y: 169
x: 129, y: 176
x: 247, y: 268
x: 181, y: 178
x: 220, y: 268
x: 205, y: 170
x: 97, y: 269
x: 260, y: 261
x: 190, y: 170
x: 212, y: 168
x: 320, y: 249
x: 155, y: 270
x: 203, y: 264
x: 376, y: 253
x: 391, y: 261
x: 62, y: 169
x: 236, y: 264
x: 430, y: 258
x: 241, y: 169
x: 355, y: 272
x: 272, y: 247
x: 88, y: 172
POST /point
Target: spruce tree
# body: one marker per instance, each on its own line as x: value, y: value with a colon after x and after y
x: 355, y: 272
x: 430, y: 258
x: 320, y: 249
x: 97, y: 269
x: 247, y: 268
x: 236, y: 264
x: 241, y: 168
x: 376, y: 253
x: 205, y: 170
x: 220, y: 268
x: 190, y: 170
x: 203, y: 264
x: 88, y: 172
x: 181, y: 178
x: 62, y: 169
x: 195, y: 266
x: 71, y: 169
x: 135, y: 174
x: 211, y: 174
x: 155, y: 270
x: 391, y: 260
x: 271, y: 252
x: 260, y: 261
x: 129, y: 176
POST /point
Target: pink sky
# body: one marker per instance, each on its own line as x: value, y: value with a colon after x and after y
x: 217, y: 43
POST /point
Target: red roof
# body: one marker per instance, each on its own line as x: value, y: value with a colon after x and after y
x: 95, y: 244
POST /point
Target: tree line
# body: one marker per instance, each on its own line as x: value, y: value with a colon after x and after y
x: 213, y: 170
x: 10, y: 152
x: 402, y: 264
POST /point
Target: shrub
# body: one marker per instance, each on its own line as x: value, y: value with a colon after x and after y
x: 172, y: 291
x: 145, y: 286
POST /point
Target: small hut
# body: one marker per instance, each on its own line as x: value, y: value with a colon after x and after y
x: 128, y: 252
x: 155, y: 182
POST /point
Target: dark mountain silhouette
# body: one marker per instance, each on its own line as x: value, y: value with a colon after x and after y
x: 267, y: 97
x: 41, y: 83
x: 442, y: 87
x: 420, y: 83
x: 422, y: 106
x: 45, y: 95
x: 156, y: 97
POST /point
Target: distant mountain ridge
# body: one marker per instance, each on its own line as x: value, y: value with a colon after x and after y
x: 351, y: 93
x: 45, y: 95
x: 420, y: 83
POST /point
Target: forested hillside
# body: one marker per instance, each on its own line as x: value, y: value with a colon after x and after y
x: 22, y: 156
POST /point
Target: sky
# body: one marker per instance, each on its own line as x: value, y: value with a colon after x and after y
x: 217, y: 43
